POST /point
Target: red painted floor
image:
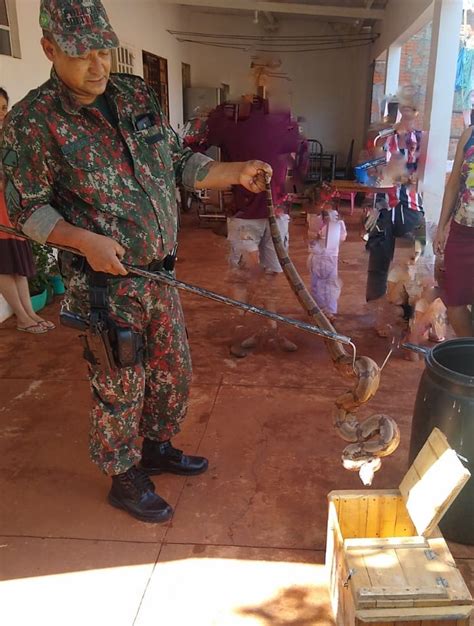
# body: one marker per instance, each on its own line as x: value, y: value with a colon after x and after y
x: 246, y: 543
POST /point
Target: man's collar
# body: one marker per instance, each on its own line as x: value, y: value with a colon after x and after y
x: 69, y: 102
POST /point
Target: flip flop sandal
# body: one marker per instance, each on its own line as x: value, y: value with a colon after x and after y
x: 34, y: 329
x: 47, y: 324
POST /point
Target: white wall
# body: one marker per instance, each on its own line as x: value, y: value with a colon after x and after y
x: 18, y: 76
x: 328, y: 89
x: 141, y: 24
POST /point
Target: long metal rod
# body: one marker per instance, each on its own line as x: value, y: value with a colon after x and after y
x: 211, y: 295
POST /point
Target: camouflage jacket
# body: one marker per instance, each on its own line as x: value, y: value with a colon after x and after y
x: 65, y: 160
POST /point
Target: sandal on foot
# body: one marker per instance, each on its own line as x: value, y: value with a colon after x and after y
x: 250, y: 342
x: 436, y: 338
x: 286, y: 345
x: 34, y: 329
x: 47, y: 324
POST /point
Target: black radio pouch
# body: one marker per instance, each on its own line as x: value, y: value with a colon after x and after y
x: 123, y: 346
x: 127, y: 345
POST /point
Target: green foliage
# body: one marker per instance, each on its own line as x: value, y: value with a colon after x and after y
x: 46, y: 266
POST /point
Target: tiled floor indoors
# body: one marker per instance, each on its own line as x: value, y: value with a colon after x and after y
x: 246, y: 544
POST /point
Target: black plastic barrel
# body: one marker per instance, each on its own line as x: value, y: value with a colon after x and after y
x: 445, y: 399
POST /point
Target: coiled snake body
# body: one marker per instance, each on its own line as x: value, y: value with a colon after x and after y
x: 378, y: 435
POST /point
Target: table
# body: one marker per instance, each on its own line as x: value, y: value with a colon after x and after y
x: 352, y: 187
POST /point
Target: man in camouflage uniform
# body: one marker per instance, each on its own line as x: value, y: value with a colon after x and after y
x: 92, y: 164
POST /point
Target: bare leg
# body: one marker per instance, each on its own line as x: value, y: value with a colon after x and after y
x: 245, y: 282
x: 270, y: 286
x: 24, y: 293
x: 460, y: 319
x: 9, y: 290
x: 385, y: 315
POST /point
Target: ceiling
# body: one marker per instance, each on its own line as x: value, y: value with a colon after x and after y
x: 364, y: 11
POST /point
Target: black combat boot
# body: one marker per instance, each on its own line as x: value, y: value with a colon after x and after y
x: 160, y: 456
x: 134, y: 492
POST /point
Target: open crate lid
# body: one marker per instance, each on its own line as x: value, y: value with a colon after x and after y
x: 432, y: 483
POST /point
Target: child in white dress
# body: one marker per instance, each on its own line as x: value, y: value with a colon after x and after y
x: 325, y: 233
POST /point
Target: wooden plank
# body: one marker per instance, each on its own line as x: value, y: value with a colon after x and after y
x: 349, y: 516
x: 361, y: 623
x: 384, y: 570
x: 355, y: 565
x: 396, y: 543
x: 348, y: 606
x: 374, y: 507
x: 403, y: 525
x: 399, y: 593
x: 334, y: 555
x: 441, y: 478
x: 444, y: 567
x: 438, y: 442
x: 399, y: 614
x: 414, y: 565
x: 388, y: 515
x: 363, y: 493
x: 334, y: 497
x: 425, y: 461
x: 410, y: 479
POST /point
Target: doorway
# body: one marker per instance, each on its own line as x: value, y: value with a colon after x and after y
x: 155, y: 73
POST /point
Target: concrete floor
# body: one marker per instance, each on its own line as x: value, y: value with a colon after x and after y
x: 246, y: 544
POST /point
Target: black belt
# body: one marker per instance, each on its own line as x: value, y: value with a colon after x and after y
x: 155, y: 266
x: 80, y: 264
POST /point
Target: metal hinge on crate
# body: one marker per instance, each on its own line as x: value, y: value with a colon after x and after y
x: 430, y: 555
x: 348, y: 577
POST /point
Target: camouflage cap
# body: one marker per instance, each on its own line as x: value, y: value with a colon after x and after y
x: 77, y: 26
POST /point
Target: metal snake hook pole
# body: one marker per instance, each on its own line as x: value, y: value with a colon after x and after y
x: 211, y: 295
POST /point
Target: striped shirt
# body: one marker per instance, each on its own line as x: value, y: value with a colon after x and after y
x: 406, y: 195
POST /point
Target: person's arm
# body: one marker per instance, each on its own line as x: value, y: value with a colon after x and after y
x: 249, y: 174
x: 198, y: 171
x: 102, y: 253
x: 451, y: 193
x: 30, y: 199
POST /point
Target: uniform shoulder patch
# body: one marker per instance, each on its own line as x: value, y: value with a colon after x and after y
x: 9, y: 157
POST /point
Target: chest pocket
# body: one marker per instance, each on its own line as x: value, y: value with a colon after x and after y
x: 151, y: 135
x: 155, y: 151
x: 82, y: 155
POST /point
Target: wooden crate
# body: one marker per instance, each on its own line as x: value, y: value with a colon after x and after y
x: 388, y: 562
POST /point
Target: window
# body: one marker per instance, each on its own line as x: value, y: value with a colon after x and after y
x: 123, y: 60
x: 9, y: 39
x: 186, y: 75
x: 155, y: 73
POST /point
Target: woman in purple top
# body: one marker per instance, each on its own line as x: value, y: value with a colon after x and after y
x: 242, y: 131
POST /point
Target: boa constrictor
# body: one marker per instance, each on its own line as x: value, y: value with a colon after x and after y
x: 378, y: 435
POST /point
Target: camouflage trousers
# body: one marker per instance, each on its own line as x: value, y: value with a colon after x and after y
x: 146, y: 400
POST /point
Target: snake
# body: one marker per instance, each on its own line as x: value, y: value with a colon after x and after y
x: 376, y: 436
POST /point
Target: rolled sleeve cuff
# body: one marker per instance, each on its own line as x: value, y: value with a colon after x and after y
x: 192, y: 169
x: 41, y: 223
